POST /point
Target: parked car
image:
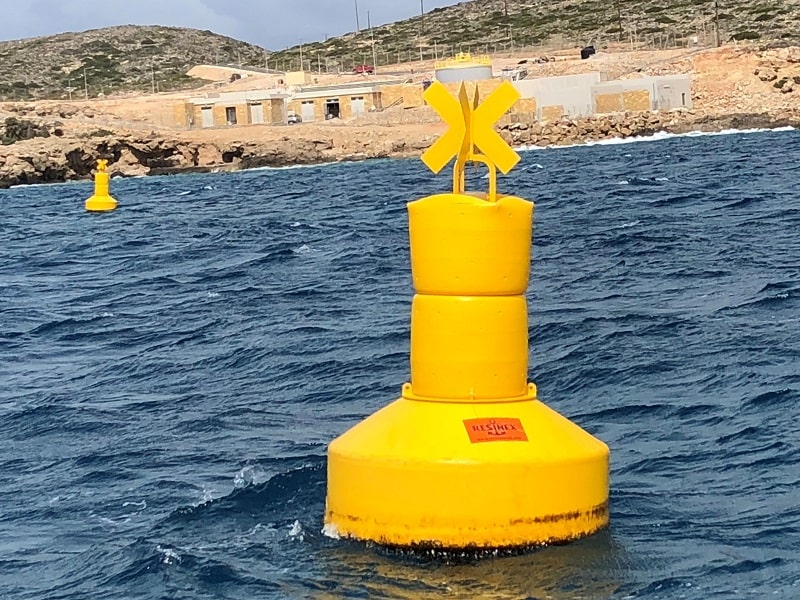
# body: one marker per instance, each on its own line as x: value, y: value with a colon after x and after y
x: 292, y: 118
x: 360, y: 69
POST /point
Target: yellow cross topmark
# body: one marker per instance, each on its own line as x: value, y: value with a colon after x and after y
x: 471, y: 125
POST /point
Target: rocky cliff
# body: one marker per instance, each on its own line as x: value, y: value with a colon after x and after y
x: 50, y: 157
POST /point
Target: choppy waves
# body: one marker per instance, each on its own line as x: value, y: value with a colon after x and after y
x: 171, y: 373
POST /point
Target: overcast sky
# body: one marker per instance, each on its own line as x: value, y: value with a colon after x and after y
x: 273, y: 24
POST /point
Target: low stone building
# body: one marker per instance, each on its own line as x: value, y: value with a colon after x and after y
x: 317, y: 103
x: 233, y: 108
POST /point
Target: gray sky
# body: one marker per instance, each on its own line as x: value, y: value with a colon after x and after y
x: 273, y: 24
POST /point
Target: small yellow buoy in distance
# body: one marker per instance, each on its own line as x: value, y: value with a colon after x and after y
x: 101, y: 200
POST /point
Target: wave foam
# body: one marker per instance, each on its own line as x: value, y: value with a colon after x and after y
x: 658, y: 136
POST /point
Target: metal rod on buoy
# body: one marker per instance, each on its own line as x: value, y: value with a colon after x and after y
x: 468, y: 457
x: 101, y: 200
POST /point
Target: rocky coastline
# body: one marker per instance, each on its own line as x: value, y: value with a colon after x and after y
x: 49, y: 155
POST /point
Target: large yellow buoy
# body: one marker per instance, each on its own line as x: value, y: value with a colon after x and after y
x: 468, y: 457
x: 101, y: 200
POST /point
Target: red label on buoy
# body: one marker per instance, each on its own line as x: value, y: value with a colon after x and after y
x: 495, y: 430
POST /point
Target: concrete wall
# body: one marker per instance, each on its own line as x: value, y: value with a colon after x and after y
x: 673, y: 91
x: 390, y: 94
x: 645, y: 93
x: 412, y: 96
x: 183, y: 115
x: 551, y: 112
x: 571, y: 92
x: 297, y: 78
x: 276, y: 111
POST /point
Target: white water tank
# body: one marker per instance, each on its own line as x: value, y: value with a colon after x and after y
x: 464, y: 67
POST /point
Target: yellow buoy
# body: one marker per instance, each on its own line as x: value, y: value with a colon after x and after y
x: 468, y: 457
x: 101, y: 200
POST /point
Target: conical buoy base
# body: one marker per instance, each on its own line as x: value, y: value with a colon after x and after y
x: 470, y: 475
x: 100, y: 203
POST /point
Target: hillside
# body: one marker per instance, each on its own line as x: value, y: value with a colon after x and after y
x: 500, y: 25
x: 115, y: 59
x: 145, y: 59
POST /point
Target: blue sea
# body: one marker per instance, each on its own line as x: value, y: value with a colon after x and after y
x: 172, y: 372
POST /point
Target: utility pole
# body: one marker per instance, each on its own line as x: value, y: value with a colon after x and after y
x: 422, y: 15
x: 372, y: 41
x: 85, y: 85
x: 505, y: 8
x: 302, y: 68
x: 716, y: 23
x: 358, y: 27
x: 619, y: 18
x: 152, y: 76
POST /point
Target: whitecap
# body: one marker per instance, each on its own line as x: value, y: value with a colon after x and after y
x: 184, y: 193
x: 297, y: 531
x: 249, y: 475
x: 658, y: 136
x: 169, y: 556
x: 330, y: 530
x: 206, y: 497
x: 304, y: 249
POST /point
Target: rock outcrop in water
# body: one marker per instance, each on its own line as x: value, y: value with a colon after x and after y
x: 51, y: 156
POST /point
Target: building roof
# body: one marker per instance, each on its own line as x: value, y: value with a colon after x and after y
x: 358, y: 87
x: 238, y: 97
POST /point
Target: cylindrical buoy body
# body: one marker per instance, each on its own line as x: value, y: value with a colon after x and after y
x: 468, y: 457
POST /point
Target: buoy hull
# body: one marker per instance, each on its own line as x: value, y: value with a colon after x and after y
x: 466, y: 475
x: 100, y: 203
x: 101, y: 200
x: 468, y: 458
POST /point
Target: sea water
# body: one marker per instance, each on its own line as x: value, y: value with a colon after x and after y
x: 171, y: 373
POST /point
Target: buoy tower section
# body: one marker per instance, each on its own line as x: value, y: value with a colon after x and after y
x: 468, y: 457
x: 101, y: 200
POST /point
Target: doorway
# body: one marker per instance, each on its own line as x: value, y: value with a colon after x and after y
x: 256, y: 113
x: 332, y: 108
x: 307, y: 112
x: 357, y: 105
x: 207, y: 116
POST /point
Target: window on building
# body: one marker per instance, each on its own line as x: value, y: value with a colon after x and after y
x: 230, y: 115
